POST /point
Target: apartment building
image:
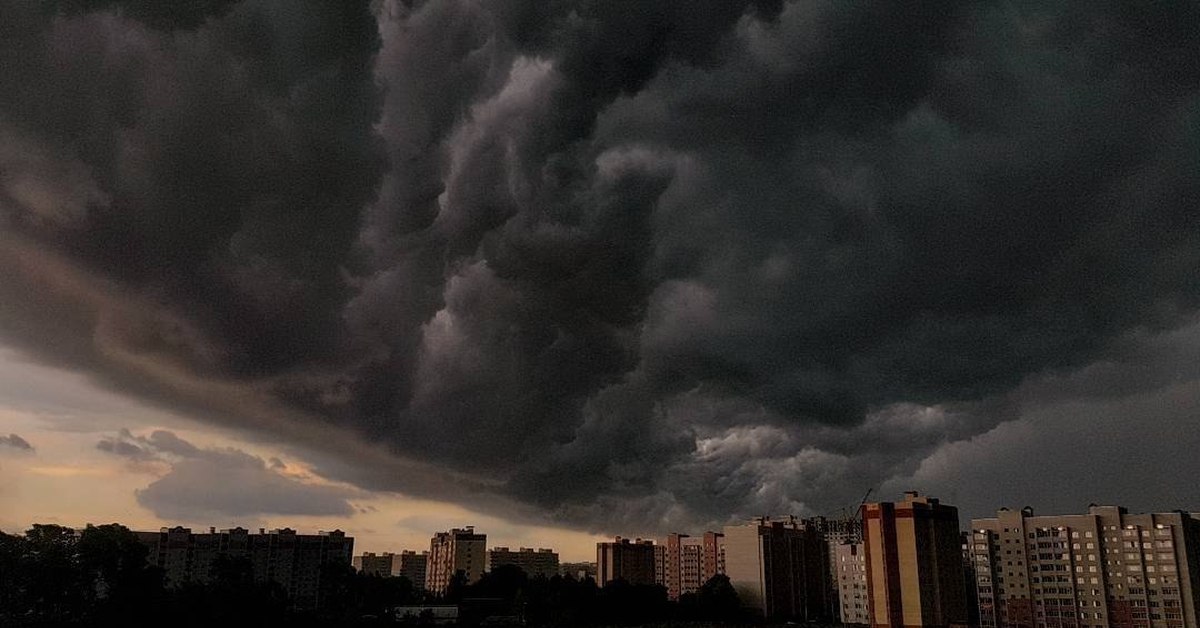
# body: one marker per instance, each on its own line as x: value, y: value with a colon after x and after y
x: 914, y: 569
x: 294, y: 561
x: 1106, y: 568
x: 850, y: 565
x: 837, y: 532
x: 454, y: 551
x: 779, y: 568
x: 622, y: 559
x: 578, y: 571
x: 684, y: 563
x: 413, y: 566
x: 385, y: 564
x: 540, y: 563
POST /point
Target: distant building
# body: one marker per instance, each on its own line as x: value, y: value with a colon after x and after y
x: 294, y: 561
x: 850, y: 565
x: 385, y: 564
x: 713, y: 558
x: 837, y: 532
x: 1106, y: 568
x: 413, y: 566
x: 541, y: 563
x: 431, y: 615
x: 578, y: 571
x: 684, y: 563
x: 779, y: 568
x: 968, y: 562
x: 454, y: 551
x: 914, y: 563
x: 621, y: 559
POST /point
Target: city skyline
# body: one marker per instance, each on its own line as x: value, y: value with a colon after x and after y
x: 567, y: 271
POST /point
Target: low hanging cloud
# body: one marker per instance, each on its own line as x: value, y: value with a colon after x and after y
x: 596, y: 263
x: 13, y: 441
x: 203, y: 484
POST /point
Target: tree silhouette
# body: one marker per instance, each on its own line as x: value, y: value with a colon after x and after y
x: 718, y: 600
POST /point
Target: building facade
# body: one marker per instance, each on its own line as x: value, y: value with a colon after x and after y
x: 540, y: 563
x: 914, y: 569
x: 713, y: 558
x: 578, y: 571
x: 837, y: 532
x: 622, y: 559
x: 779, y: 568
x: 1106, y: 568
x: 451, y: 552
x: 413, y: 566
x: 850, y: 565
x: 684, y: 563
x: 293, y: 561
x: 385, y: 564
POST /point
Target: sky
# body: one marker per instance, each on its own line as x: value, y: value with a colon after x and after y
x: 570, y: 269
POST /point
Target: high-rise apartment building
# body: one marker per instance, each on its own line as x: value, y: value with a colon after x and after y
x: 413, y: 566
x: 385, y: 564
x: 836, y: 532
x: 633, y: 562
x: 541, y: 563
x: 713, y: 558
x: 1106, y: 568
x: 293, y: 561
x: 779, y: 568
x: 914, y: 563
x: 850, y: 565
x: 684, y: 563
x: 454, y: 551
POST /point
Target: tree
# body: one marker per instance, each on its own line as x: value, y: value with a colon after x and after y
x: 456, y: 587
x: 52, y: 582
x: 718, y: 600
x: 12, y: 576
x: 118, y: 583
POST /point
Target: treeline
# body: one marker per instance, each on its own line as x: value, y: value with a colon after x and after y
x: 100, y: 576
x: 52, y: 576
x: 564, y: 601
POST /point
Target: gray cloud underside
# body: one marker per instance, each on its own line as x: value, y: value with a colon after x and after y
x: 618, y: 263
x: 13, y: 441
x: 202, y: 485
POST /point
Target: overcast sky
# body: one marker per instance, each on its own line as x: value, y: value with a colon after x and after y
x: 574, y: 268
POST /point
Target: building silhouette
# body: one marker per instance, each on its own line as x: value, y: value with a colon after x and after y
x: 413, y: 566
x: 385, y: 564
x: 633, y: 562
x: 293, y: 561
x: 540, y: 563
x: 779, y: 568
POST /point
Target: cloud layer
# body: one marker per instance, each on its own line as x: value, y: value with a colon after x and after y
x: 207, y: 484
x: 13, y: 441
x: 623, y: 263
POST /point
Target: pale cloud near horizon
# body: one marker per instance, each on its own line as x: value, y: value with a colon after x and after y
x: 13, y: 441
x: 147, y: 468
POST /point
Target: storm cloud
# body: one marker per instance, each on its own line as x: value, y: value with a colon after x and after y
x: 624, y: 263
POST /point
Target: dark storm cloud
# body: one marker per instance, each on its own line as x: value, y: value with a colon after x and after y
x: 14, y: 441
x: 629, y: 263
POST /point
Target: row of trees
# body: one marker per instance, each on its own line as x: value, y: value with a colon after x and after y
x: 52, y: 576
x: 565, y: 601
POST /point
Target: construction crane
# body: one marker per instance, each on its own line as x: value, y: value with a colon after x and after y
x: 861, y: 503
